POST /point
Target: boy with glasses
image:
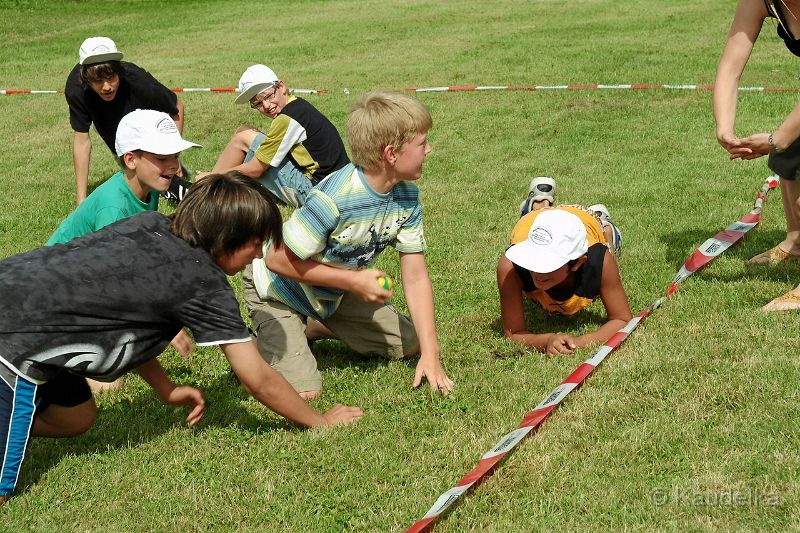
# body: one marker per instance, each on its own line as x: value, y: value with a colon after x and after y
x: 300, y: 148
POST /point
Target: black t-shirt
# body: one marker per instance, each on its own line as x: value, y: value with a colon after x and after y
x: 306, y: 136
x: 111, y: 300
x: 774, y: 9
x: 588, y: 276
x: 137, y: 90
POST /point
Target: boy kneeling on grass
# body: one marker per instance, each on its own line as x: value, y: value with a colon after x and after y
x: 147, y: 145
x: 560, y: 258
x: 56, y: 328
x: 318, y: 283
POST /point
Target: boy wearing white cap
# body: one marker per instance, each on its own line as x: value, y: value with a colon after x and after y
x: 110, y: 319
x: 147, y: 145
x: 559, y: 258
x: 300, y: 148
x: 100, y: 90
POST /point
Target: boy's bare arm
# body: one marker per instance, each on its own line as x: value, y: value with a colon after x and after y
x: 513, y: 310
x: 267, y: 386
x: 419, y: 296
x: 618, y: 311
x: 362, y: 283
x: 81, y: 153
x: 155, y: 376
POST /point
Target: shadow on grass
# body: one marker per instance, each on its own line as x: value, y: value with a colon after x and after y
x: 134, y: 416
x: 681, y: 244
x: 537, y: 320
x: 131, y: 418
x: 331, y: 353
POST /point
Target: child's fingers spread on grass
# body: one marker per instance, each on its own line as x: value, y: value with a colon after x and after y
x: 342, y: 414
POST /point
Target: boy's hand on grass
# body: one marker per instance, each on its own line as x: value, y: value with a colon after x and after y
x: 559, y: 343
x: 434, y: 372
x: 366, y: 287
x: 342, y: 414
x: 185, y: 395
x: 183, y: 343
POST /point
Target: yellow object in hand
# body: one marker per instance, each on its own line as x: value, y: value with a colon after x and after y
x: 386, y: 282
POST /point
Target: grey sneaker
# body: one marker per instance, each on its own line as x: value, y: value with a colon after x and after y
x: 541, y: 188
x: 601, y: 212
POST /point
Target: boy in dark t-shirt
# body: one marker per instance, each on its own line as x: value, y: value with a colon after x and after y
x: 108, y: 321
x: 300, y: 148
x: 100, y: 90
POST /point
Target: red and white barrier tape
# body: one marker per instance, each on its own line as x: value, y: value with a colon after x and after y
x: 724, y: 239
x: 174, y: 89
x: 709, y: 250
x: 452, y: 88
x: 591, y: 86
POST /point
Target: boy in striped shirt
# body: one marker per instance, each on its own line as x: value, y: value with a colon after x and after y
x: 317, y: 283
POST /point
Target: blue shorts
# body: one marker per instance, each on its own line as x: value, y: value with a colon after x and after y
x: 20, y: 401
x: 286, y: 182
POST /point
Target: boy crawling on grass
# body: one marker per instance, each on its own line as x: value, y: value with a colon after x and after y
x: 318, y: 284
x: 561, y: 258
x: 57, y: 328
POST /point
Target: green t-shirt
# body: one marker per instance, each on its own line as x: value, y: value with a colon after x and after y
x: 110, y: 202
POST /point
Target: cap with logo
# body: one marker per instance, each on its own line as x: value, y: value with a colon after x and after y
x: 553, y: 238
x: 98, y: 50
x: 149, y: 131
x: 254, y: 80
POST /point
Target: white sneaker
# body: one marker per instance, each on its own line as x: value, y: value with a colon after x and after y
x: 601, y: 212
x: 541, y: 188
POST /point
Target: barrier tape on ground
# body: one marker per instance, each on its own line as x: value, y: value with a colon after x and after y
x: 706, y: 253
x: 173, y: 89
x: 452, y: 88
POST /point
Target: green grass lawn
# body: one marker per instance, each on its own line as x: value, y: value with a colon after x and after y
x: 691, y: 425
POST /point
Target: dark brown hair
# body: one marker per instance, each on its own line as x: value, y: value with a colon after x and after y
x: 101, y: 72
x: 223, y: 212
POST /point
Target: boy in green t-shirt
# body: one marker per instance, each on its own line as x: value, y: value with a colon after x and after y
x: 148, y: 145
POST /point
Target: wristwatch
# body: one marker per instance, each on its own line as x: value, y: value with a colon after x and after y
x: 772, y: 146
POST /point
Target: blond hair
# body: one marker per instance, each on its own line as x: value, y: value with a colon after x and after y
x: 380, y: 119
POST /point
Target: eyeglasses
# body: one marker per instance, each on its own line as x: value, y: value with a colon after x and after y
x: 255, y: 104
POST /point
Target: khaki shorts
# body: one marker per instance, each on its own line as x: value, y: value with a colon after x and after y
x: 369, y: 329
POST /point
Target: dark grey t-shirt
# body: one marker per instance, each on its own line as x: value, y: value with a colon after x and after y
x: 109, y: 301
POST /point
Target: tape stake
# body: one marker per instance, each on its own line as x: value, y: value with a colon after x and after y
x: 536, y: 416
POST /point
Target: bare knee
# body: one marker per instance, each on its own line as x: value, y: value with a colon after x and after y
x: 243, y: 138
x: 411, y: 351
x: 60, y: 421
x: 85, y: 421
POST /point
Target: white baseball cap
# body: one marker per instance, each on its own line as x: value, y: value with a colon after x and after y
x: 555, y: 237
x: 98, y: 50
x: 150, y: 131
x: 254, y: 80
